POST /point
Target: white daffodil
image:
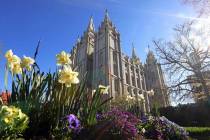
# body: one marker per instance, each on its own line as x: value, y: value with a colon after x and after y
x: 68, y: 77
x: 141, y: 96
x: 8, y: 54
x: 103, y: 89
x: 143, y: 130
x: 63, y: 58
x: 13, y: 60
x: 93, y: 92
x: 27, y: 62
x: 16, y: 68
x: 151, y: 93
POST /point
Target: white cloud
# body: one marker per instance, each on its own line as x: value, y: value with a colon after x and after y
x: 179, y: 15
x: 200, y: 27
x: 201, y: 33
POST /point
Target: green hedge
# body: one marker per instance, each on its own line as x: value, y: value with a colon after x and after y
x: 197, y: 114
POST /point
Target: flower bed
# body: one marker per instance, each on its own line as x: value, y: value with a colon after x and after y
x: 162, y: 128
x: 58, y: 106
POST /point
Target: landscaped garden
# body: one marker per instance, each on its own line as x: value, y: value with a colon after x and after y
x: 195, y: 118
x: 58, y: 106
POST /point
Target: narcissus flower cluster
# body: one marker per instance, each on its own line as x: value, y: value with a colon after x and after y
x: 13, y: 62
x: 66, y: 75
x: 12, y: 119
x: 16, y: 65
x: 129, y: 98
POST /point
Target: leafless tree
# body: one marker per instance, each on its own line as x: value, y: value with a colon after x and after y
x: 181, y: 58
x: 201, y: 6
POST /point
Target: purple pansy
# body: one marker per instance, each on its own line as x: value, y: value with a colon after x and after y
x: 73, y: 121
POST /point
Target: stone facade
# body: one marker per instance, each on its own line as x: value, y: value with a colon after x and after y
x: 98, y: 54
x: 155, y: 81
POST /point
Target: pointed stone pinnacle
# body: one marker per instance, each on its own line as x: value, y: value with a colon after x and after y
x: 91, y: 24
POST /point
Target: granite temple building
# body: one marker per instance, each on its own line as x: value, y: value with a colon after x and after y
x: 98, y: 53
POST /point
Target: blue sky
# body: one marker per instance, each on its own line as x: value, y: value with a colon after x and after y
x: 58, y: 23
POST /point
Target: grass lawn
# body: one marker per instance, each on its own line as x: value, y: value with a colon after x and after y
x: 202, y: 133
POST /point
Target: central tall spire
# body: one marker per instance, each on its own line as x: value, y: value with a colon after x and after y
x: 106, y: 18
x: 133, y: 51
x: 91, y: 24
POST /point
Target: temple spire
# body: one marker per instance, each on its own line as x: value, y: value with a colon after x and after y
x: 133, y: 51
x: 106, y: 18
x: 91, y: 24
x: 150, y: 52
x: 150, y: 55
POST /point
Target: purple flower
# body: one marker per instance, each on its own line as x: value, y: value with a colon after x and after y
x: 73, y: 121
x: 144, y: 119
x: 99, y: 116
x: 124, y: 121
x: 162, y: 128
x: 130, y: 128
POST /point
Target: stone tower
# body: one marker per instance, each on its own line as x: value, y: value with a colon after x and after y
x: 155, y: 81
x: 107, y: 58
x: 82, y: 53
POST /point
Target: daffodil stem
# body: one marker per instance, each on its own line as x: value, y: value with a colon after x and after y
x: 59, y: 106
x: 6, y: 77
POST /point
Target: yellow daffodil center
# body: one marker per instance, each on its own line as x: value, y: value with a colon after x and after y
x: 16, y: 68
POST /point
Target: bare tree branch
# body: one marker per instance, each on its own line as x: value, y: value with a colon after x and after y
x: 176, y: 57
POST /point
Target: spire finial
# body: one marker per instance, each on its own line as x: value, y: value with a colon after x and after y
x: 91, y: 24
x: 106, y: 18
x: 149, y: 50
